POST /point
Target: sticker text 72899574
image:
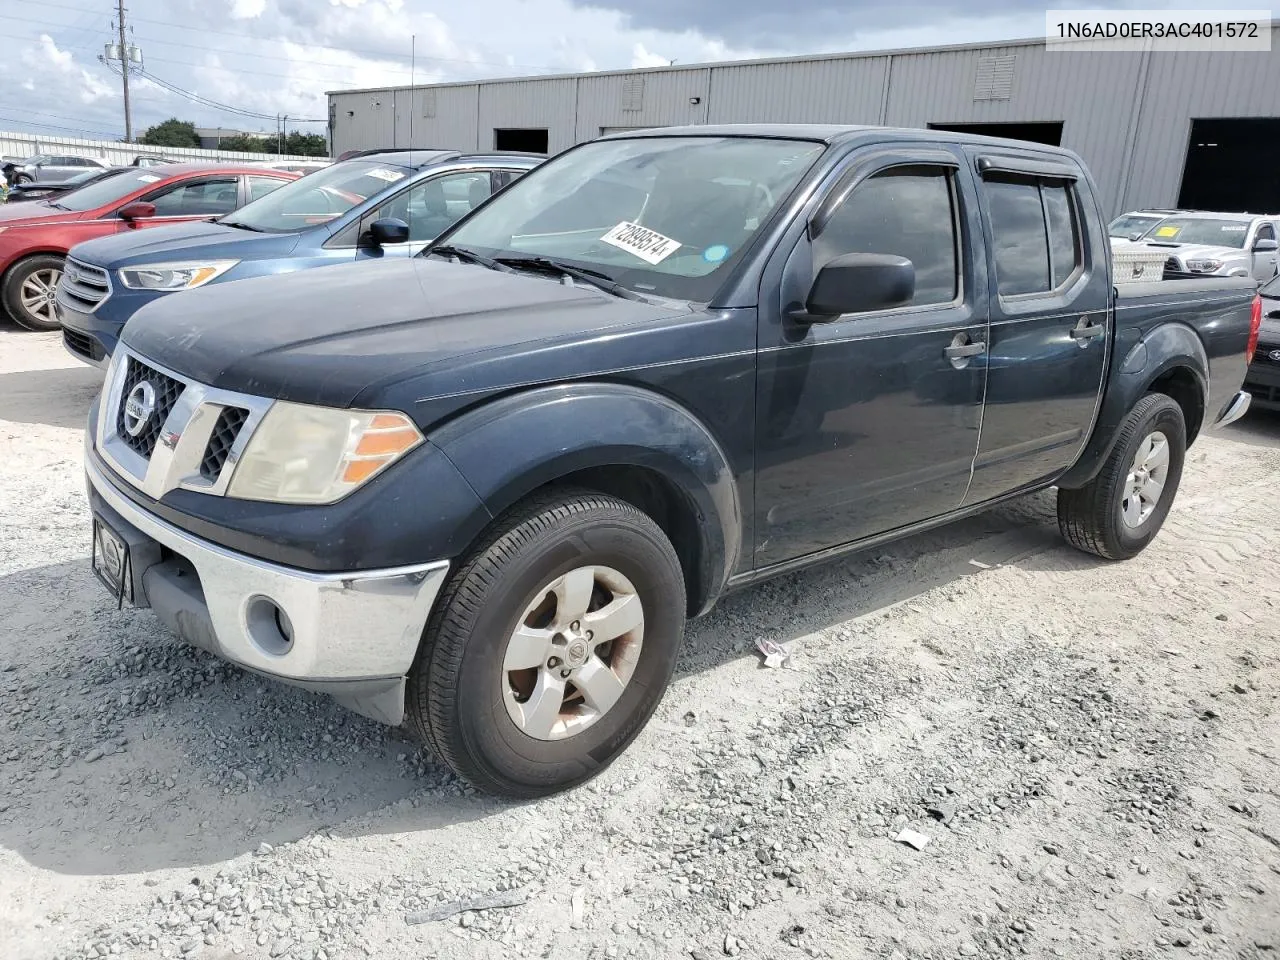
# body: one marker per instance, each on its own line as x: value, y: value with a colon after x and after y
x: 649, y: 245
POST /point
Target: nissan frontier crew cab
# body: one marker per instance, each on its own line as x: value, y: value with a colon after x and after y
x: 478, y: 491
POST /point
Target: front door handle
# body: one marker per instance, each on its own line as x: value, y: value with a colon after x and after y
x: 963, y: 351
x: 1084, y: 330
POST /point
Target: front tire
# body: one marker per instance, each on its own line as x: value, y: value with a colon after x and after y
x: 551, y: 645
x: 28, y: 291
x: 1120, y: 511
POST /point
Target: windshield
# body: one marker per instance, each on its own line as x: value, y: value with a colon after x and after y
x: 107, y: 190
x: 1129, y: 224
x: 1217, y: 233
x: 661, y: 215
x: 317, y: 197
x: 33, y: 159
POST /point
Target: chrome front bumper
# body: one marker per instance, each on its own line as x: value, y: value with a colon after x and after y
x: 353, y: 635
x: 1236, y: 409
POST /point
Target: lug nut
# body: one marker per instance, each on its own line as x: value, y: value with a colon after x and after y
x: 576, y: 625
x: 590, y: 635
x: 553, y: 662
x: 564, y: 674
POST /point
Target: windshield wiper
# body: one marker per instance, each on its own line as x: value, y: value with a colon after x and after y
x: 468, y: 256
x: 55, y: 203
x: 596, y: 278
x: 238, y: 225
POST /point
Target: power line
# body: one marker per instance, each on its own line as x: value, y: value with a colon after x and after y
x: 205, y: 101
x: 385, y: 55
x: 96, y: 134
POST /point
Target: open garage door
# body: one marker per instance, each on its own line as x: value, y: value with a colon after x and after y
x: 1232, y: 166
x: 1045, y: 132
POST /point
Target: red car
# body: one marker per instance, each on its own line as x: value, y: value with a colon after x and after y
x: 35, y: 237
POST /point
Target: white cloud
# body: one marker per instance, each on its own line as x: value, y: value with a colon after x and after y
x: 247, y: 9
x: 640, y: 57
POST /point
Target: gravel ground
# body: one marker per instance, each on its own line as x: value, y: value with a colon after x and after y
x: 1092, y: 751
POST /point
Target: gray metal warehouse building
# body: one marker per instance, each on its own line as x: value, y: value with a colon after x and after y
x: 1198, y: 130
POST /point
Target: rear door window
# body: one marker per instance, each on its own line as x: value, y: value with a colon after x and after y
x: 261, y: 186
x: 199, y: 198
x: 1035, y: 234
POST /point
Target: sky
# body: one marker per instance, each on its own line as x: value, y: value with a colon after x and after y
x: 278, y: 57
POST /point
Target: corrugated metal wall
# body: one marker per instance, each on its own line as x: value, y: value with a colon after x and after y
x: 1128, y: 114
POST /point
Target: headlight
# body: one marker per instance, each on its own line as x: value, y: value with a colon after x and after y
x: 1204, y: 266
x: 307, y: 454
x: 174, y: 276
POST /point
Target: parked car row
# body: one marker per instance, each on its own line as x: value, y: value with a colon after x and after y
x: 478, y: 491
x: 35, y: 237
x: 1202, y: 244
x: 44, y: 169
x: 390, y: 205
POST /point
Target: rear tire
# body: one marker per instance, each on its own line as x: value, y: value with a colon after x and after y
x: 28, y: 288
x: 482, y: 692
x: 1120, y: 511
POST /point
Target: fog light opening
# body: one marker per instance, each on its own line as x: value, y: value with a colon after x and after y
x: 269, y: 626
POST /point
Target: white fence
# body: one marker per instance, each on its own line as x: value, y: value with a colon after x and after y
x: 18, y: 145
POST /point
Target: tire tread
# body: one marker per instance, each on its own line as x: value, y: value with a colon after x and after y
x: 1084, y: 514
x: 431, y: 704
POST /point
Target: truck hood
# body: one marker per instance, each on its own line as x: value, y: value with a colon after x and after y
x: 1199, y: 251
x: 184, y: 241
x: 326, y: 336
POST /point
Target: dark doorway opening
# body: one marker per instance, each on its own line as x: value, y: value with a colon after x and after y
x: 525, y: 139
x: 1045, y: 132
x: 1231, y: 166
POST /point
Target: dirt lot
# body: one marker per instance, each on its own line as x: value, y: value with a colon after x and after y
x: 1092, y: 749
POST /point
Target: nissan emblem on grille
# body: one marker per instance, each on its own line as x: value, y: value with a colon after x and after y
x: 138, y: 407
x: 1274, y: 355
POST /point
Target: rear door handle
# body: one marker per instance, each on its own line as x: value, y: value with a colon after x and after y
x: 963, y: 351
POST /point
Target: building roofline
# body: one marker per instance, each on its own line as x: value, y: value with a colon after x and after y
x: 691, y: 67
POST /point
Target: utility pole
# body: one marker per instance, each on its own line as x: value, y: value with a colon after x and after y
x: 124, y: 74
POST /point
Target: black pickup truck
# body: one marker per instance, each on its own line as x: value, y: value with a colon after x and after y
x: 479, y: 491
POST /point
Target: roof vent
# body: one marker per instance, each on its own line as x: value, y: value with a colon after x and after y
x: 633, y: 93
x: 994, y: 79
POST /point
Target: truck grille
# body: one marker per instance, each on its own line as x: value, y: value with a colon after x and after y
x: 83, y: 285
x: 167, y: 391
x: 230, y: 422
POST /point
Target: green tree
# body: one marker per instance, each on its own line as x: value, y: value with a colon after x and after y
x: 247, y: 143
x: 171, y: 133
x: 301, y: 144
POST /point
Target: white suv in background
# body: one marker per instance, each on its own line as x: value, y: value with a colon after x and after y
x: 1215, y: 245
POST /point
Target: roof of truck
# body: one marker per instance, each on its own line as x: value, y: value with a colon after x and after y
x: 831, y: 133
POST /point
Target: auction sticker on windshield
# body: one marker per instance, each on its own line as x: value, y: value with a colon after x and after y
x: 1168, y: 231
x: 649, y: 245
x: 391, y: 176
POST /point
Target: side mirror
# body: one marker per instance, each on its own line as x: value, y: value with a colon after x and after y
x: 388, y: 230
x: 138, y: 210
x: 1135, y: 237
x: 1264, y: 246
x: 857, y: 283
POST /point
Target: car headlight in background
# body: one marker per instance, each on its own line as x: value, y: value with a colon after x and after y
x: 174, y: 276
x: 308, y: 454
x: 1204, y: 266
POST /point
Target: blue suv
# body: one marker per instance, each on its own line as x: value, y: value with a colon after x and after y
x: 383, y: 204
